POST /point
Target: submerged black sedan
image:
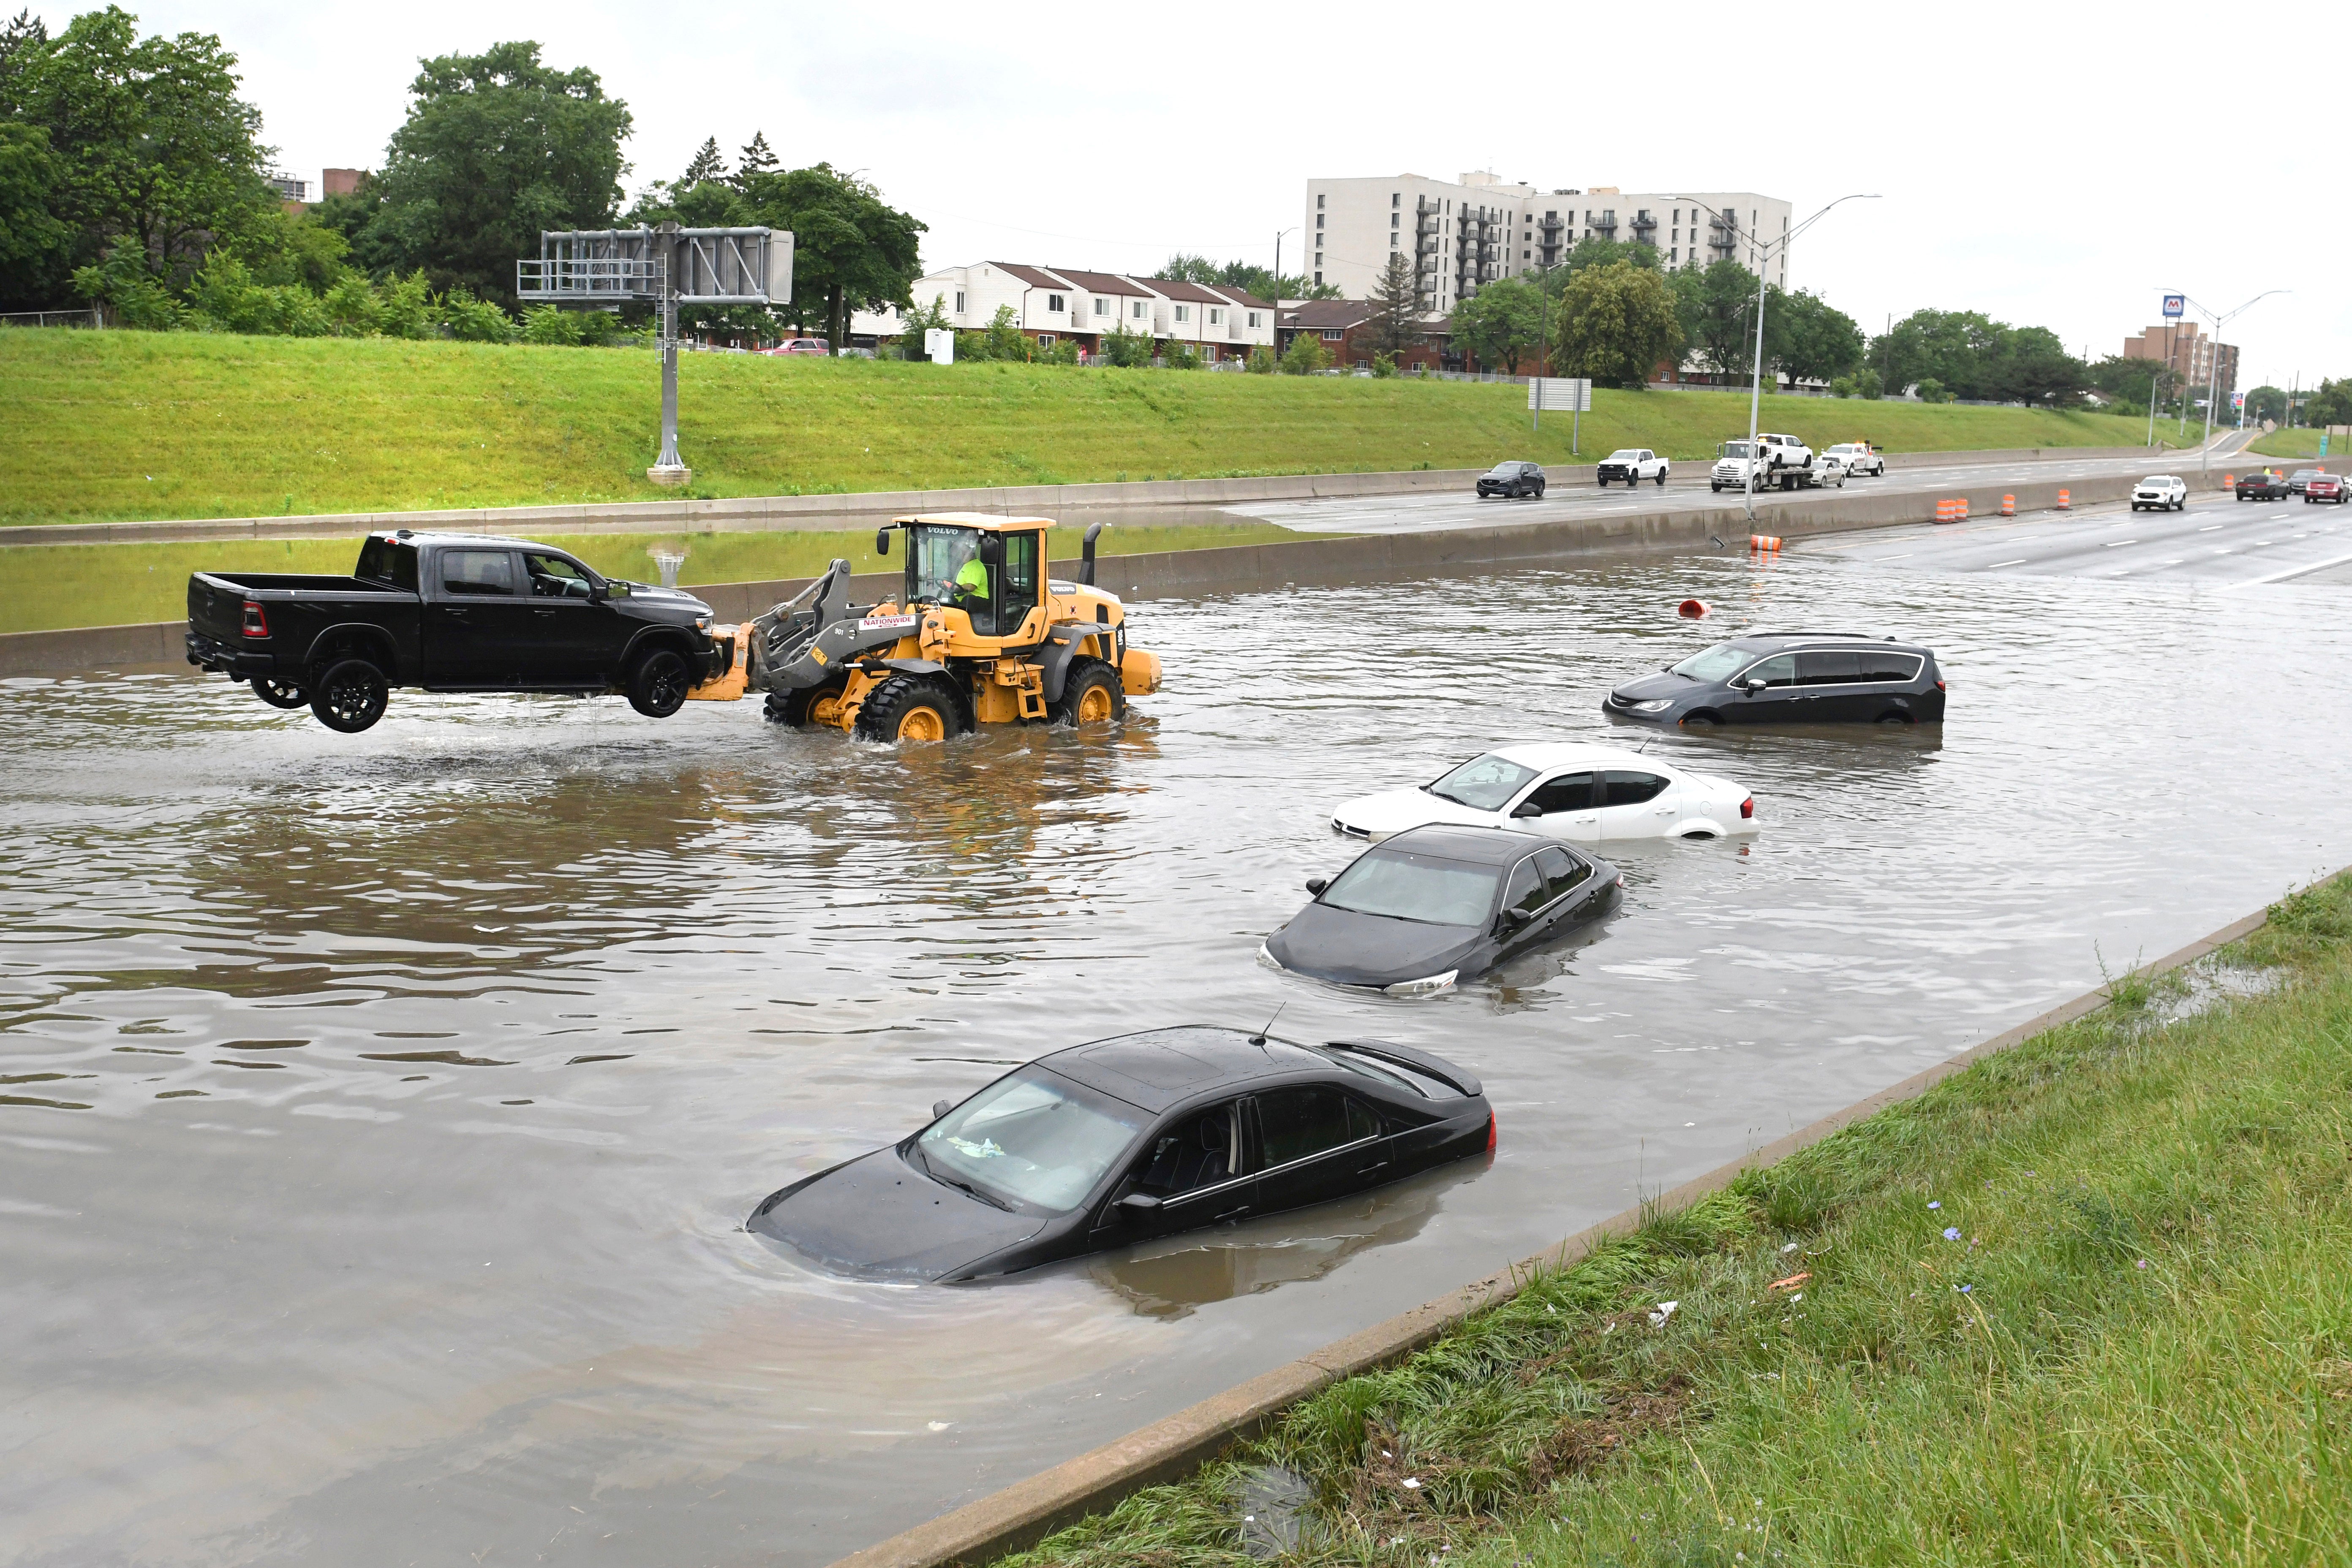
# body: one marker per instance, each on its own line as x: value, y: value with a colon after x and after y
x: 1434, y: 905
x: 1126, y: 1140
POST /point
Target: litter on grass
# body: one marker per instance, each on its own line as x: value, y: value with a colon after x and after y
x: 1792, y: 1282
x: 1664, y: 1310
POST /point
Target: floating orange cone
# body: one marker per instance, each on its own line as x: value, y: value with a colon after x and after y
x: 1764, y: 543
x: 1692, y: 609
x: 2009, y: 506
x: 2065, y: 500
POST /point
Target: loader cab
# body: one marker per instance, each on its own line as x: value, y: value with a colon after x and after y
x: 992, y: 568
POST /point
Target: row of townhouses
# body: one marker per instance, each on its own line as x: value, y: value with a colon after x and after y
x: 1054, y: 303
x: 1461, y: 234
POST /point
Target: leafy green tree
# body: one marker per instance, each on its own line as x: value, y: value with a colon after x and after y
x: 123, y: 285
x: 1306, y: 355
x: 550, y: 326
x: 2134, y: 380
x: 1178, y: 355
x: 1812, y: 339
x: 150, y: 140
x: 920, y: 318
x: 1716, y: 307
x: 292, y: 249
x: 1616, y: 323
x: 1598, y: 250
x: 1501, y: 323
x: 2331, y: 404
x: 1128, y: 351
x: 2031, y: 364
x: 2264, y: 403
x: 497, y: 147
x: 708, y: 163
x: 474, y: 320
x: 1002, y: 338
x: 1260, y: 362
x: 1946, y: 347
x: 1397, y: 307
x: 849, y: 249
x: 34, y: 247
x: 1257, y: 281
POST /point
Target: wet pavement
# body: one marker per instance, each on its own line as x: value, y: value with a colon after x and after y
x: 378, y: 1114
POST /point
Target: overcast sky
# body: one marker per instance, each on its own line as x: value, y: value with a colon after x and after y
x: 2029, y: 159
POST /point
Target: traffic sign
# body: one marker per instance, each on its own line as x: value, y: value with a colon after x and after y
x: 1560, y: 394
x: 2174, y: 305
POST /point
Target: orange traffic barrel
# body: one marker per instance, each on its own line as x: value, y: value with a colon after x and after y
x: 2228, y: 480
x: 2064, y: 497
x: 1951, y: 510
x: 1764, y: 542
x: 1691, y: 609
x: 2009, y: 506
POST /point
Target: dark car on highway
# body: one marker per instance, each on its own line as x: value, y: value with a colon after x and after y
x: 1511, y: 480
x: 1434, y: 906
x: 1789, y: 678
x: 2263, y: 486
x: 1126, y: 1140
x: 450, y: 612
x: 2300, y: 477
x: 2326, y: 487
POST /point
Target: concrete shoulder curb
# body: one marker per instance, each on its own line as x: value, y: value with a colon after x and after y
x: 1027, y: 1511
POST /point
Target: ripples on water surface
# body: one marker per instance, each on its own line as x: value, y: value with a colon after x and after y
x: 378, y: 1114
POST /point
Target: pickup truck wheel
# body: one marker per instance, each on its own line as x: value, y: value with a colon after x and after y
x: 1091, y: 694
x: 909, y: 708
x: 349, y: 696
x: 1662, y: 479
x: 657, y: 685
x: 280, y: 693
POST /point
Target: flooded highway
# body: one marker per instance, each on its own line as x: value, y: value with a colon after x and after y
x: 379, y: 1114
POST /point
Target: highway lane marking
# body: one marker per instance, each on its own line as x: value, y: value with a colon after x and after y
x: 2117, y: 543
x: 1998, y: 564
x: 2209, y: 530
x: 2293, y: 572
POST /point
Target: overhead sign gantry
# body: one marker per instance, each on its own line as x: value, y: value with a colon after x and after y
x: 596, y: 269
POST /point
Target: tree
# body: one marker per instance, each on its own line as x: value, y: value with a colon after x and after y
x: 1598, y: 250
x: 1810, y: 340
x: 919, y: 319
x: 2331, y: 404
x: 1500, y: 322
x: 1948, y: 347
x: 1306, y: 355
x: 150, y: 140
x: 1397, y: 307
x: 849, y: 249
x: 707, y: 164
x: 1716, y: 308
x: 497, y: 147
x: 35, y: 247
x: 1616, y: 323
x: 1250, y: 279
x: 2264, y: 403
x: 756, y: 159
x: 2031, y: 366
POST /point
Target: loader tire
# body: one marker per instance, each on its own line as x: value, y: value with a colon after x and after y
x: 908, y: 707
x: 809, y: 708
x: 1091, y: 694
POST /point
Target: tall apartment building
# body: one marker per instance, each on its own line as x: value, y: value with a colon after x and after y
x: 2191, y: 355
x: 1461, y: 234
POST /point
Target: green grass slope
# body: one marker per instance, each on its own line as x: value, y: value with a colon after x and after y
x: 2084, y: 1303
x: 121, y: 426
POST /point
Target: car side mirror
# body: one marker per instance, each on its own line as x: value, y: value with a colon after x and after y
x: 599, y: 591
x: 1514, y: 917
x: 1316, y: 885
x: 1527, y: 808
x: 1138, y: 1203
x: 1755, y: 686
x: 992, y: 549
x: 882, y: 541
x: 941, y: 1108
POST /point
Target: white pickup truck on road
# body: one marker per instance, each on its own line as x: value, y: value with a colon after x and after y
x: 1632, y: 464
x: 1780, y: 460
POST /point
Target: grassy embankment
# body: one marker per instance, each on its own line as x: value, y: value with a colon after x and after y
x: 2087, y: 1302
x: 2297, y: 443
x: 131, y: 426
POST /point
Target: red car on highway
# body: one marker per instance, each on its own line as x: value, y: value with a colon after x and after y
x: 2325, y: 487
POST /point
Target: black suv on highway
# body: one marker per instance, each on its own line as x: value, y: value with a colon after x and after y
x: 1789, y: 678
x: 2263, y: 486
x: 1509, y: 480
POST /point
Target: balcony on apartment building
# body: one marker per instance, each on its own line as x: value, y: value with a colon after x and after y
x: 1645, y: 226
x: 1605, y: 223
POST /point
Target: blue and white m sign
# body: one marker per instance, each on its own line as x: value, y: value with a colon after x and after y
x: 2174, y: 305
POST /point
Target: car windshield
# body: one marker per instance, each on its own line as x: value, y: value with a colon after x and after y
x: 2159, y: 479
x: 1715, y: 663
x: 1404, y: 885
x: 1502, y: 472
x: 1625, y: 455
x: 936, y: 554
x: 1735, y: 448
x: 1033, y: 1137
x: 1483, y: 784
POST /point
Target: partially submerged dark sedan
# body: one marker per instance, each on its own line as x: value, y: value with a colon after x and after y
x: 1789, y: 678
x: 1435, y: 905
x: 1126, y: 1140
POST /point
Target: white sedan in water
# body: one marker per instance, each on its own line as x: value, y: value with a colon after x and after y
x: 1570, y: 789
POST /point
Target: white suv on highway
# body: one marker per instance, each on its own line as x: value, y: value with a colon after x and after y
x: 2160, y: 492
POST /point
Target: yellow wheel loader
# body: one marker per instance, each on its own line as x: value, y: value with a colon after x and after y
x: 979, y: 635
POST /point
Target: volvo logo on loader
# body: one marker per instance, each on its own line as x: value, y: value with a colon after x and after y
x: 979, y: 633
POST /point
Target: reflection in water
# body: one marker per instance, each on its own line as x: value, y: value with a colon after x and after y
x: 381, y: 1111
x: 1169, y: 1279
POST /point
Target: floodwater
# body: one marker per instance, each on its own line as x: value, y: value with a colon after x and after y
x: 378, y: 1115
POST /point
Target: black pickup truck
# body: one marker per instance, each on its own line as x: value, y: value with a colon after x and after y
x: 450, y: 612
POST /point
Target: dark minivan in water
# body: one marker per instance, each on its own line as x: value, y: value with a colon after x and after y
x: 1789, y: 678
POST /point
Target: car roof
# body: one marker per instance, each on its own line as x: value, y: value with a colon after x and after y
x: 1478, y: 845
x: 1545, y: 755
x: 1159, y: 1068
x: 484, y: 541
x: 1776, y: 641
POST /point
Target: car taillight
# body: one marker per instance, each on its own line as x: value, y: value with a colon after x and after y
x: 256, y: 624
x: 1747, y: 808
x: 1939, y: 686
x: 1490, y: 1132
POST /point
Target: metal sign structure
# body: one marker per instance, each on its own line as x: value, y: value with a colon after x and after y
x: 594, y: 269
x: 1564, y: 394
x: 2175, y: 306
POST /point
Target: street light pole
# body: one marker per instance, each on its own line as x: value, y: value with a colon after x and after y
x: 2213, y: 366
